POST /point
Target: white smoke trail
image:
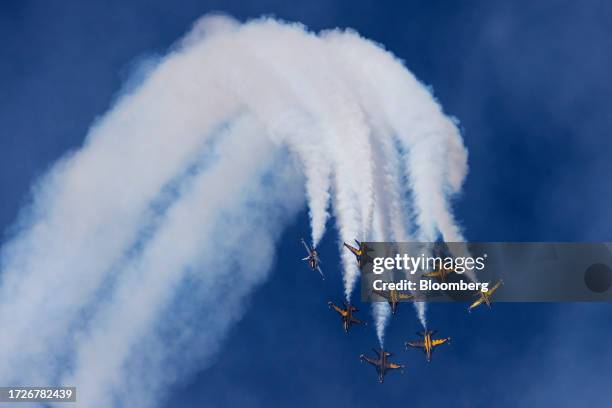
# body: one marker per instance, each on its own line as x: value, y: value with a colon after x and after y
x: 432, y: 146
x: 436, y: 160
x: 382, y: 313
x: 143, y: 287
x: 134, y: 234
x: 421, y: 308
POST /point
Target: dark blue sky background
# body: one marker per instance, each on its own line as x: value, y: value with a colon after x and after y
x: 529, y: 82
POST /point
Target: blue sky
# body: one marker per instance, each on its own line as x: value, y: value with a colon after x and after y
x: 529, y: 84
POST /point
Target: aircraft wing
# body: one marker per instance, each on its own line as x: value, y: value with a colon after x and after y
x: 437, y: 342
x: 355, y: 251
x: 404, y: 296
x: 369, y: 360
x: 356, y: 320
x: 320, y: 271
x: 381, y: 293
x: 416, y: 344
x: 336, y: 308
x: 476, y: 303
x: 306, y: 246
x: 433, y: 274
x: 494, y: 288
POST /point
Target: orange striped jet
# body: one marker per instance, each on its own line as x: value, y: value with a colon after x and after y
x: 381, y: 363
x: 361, y: 253
x: 440, y: 273
x: 485, y: 297
x: 347, y: 315
x: 427, y: 344
x: 393, y: 297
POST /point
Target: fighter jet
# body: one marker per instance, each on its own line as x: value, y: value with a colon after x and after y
x: 312, y: 258
x: 347, y: 315
x: 485, y: 297
x: 393, y: 297
x: 381, y: 363
x: 440, y: 273
x: 427, y: 344
x: 361, y: 253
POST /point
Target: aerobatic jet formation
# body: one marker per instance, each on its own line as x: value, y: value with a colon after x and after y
x: 361, y: 253
x: 485, y: 297
x: 393, y: 297
x: 381, y: 363
x: 427, y: 344
x: 348, y: 318
x: 312, y: 258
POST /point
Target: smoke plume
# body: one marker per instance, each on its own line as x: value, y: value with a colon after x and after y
x: 125, y: 257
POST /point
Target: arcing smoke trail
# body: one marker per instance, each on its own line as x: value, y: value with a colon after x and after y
x: 126, y: 247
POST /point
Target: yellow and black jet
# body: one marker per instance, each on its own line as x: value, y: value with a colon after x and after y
x: 347, y: 315
x: 485, y: 297
x: 427, y: 344
x: 381, y: 363
x: 313, y: 258
x: 440, y: 273
x: 393, y: 297
x: 361, y: 253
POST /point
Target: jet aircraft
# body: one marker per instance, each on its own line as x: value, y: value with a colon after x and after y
x: 347, y: 315
x: 381, y: 363
x: 312, y: 258
x: 440, y: 273
x: 393, y: 297
x: 427, y: 344
x: 485, y: 297
x: 361, y: 253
